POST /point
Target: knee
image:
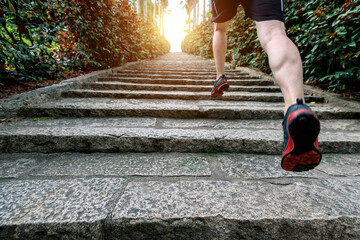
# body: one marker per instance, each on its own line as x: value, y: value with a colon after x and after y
x: 270, y: 36
x: 269, y: 31
x: 221, y: 27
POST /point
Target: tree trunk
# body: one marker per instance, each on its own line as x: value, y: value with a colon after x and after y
x: 194, y: 18
x: 159, y: 16
x: 154, y: 11
x: 197, y: 12
x: 162, y: 22
x: 138, y: 7
x: 204, y: 11
x: 145, y: 9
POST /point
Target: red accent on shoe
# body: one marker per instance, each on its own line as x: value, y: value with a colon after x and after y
x: 218, y: 92
x: 311, y: 157
x: 308, y: 158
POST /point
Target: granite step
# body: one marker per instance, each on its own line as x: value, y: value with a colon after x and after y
x: 188, y: 81
x: 185, y: 72
x: 182, y: 95
x: 176, y: 196
x: 168, y: 87
x: 181, y: 76
x: 103, y: 107
x: 165, y: 135
x: 164, y: 66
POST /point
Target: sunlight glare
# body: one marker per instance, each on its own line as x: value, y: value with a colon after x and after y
x: 175, y: 24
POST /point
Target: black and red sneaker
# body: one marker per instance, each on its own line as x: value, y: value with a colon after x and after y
x: 301, y: 129
x: 221, y: 84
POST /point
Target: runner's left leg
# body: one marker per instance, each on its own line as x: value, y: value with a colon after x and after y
x: 220, y: 46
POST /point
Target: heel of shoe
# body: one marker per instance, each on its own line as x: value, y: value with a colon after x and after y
x: 304, y: 129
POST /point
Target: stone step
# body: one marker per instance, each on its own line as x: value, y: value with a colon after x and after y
x: 209, y: 82
x: 102, y: 107
x: 180, y: 76
x: 165, y: 135
x: 167, y: 87
x: 229, y: 96
x: 176, y: 196
x: 185, y: 72
x: 163, y: 66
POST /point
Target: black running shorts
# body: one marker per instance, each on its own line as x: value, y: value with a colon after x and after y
x: 259, y: 10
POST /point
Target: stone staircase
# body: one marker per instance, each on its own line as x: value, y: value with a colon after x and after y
x: 147, y: 153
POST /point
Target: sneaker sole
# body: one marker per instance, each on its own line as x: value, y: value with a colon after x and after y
x: 303, y: 132
x: 219, y: 91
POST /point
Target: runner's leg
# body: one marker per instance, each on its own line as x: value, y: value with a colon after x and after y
x: 220, y: 46
x: 284, y: 59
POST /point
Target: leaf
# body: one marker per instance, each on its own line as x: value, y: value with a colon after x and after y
x: 352, y: 44
x: 11, y: 6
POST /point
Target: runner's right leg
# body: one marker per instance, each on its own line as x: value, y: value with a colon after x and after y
x: 284, y: 59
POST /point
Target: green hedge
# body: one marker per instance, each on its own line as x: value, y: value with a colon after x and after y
x: 326, y: 33
x: 40, y: 39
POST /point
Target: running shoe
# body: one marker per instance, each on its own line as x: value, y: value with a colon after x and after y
x: 301, y: 129
x: 221, y: 84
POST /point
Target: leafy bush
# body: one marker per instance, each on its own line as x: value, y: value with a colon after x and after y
x: 199, y: 41
x: 326, y: 33
x: 243, y: 44
x: 39, y: 39
x: 28, y: 34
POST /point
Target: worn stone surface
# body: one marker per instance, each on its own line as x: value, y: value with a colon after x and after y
x: 131, y: 135
x: 164, y: 210
x: 130, y: 164
x: 233, y: 96
x: 75, y: 208
x: 167, y: 87
x: 244, y: 82
x: 179, y: 76
x: 225, y: 166
x: 239, y: 200
x: 246, y: 195
x: 102, y: 107
x: 13, y: 166
x: 246, y: 166
x: 219, y: 228
x: 183, y: 72
x: 340, y: 165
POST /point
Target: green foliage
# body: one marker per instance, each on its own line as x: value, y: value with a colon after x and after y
x: 326, y: 33
x: 243, y: 44
x: 27, y: 36
x: 39, y: 39
x: 199, y: 41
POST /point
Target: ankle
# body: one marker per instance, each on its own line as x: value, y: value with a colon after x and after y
x: 219, y: 75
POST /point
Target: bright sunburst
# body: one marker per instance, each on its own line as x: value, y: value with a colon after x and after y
x: 175, y: 24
